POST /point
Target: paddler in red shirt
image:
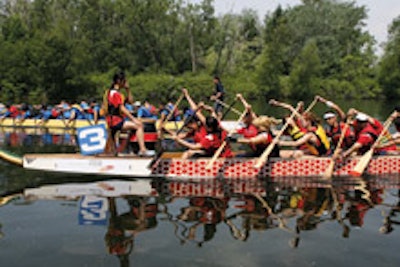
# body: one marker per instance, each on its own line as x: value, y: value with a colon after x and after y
x: 263, y: 139
x: 367, y: 130
x: 117, y: 113
x: 196, y: 123
x: 395, y: 138
x: 336, y: 122
x: 248, y: 130
x: 209, y: 143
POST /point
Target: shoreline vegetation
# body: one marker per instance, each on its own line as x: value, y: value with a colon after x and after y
x: 69, y: 50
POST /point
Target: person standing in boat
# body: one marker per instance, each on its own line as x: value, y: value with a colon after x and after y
x: 117, y: 112
x: 218, y: 96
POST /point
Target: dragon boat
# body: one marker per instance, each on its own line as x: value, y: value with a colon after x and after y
x: 171, y: 165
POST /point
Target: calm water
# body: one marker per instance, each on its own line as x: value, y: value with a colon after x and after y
x: 62, y: 220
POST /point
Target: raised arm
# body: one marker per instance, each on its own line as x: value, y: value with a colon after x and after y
x: 246, y: 105
x: 333, y: 106
x: 194, y: 106
x: 289, y: 107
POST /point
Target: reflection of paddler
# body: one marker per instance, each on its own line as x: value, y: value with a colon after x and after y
x: 204, y: 211
x: 255, y: 215
x: 117, y: 242
x: 316, y: 202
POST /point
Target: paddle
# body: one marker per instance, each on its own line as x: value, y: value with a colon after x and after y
x: 329, y: 171
x: 364, y: 160
x: 171, y: 112
x: 263, y: 158
x: 311, y: 105
x: 159, y: 154
x: 222, y: 147
x: 229, y: 107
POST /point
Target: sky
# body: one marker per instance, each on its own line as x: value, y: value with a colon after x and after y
x: 380, y: 12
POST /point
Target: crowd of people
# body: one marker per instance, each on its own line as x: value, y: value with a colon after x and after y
x: 352, y: 133
x: 303, y: 133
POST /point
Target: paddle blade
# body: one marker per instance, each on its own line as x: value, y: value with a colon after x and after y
x: 261, y: 161
x: 216, y: 155
x: 362, y: 163
x: 329, y: 171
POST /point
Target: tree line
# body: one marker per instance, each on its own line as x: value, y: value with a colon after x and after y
x: 69, y: 49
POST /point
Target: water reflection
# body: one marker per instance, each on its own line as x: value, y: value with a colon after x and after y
x: 196, y: 209
x: 18, y: 136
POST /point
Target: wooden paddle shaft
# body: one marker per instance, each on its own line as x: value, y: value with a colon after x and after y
x: 364, y: 160
x: 221, y: 148
x: 268, y: 150
x: 227, y: 106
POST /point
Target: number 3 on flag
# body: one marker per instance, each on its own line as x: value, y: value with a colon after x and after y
x: 92, y: 139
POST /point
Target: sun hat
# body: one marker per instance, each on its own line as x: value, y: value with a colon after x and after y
x: 361, y: 117
x: 329, y: 115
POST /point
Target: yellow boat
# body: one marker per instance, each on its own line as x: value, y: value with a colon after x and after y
x: 62, y: 124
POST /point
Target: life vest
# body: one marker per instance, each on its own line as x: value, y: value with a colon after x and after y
x: 323, y: 145
x: 199, y: 134
x: 212, y: 141
x: 335, y: 133
x: 104, y: 110
x: 372, y: 132
x: 295, y: 133
x: 260, y: 148
x: 248, y: 132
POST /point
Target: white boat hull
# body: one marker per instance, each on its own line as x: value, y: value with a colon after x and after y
x: 67, y: 163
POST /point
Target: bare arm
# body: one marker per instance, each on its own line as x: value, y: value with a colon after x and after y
x: 129, y: 97
x: 193, y: 146
x: 289, y: 107
x: 304, y: 139
x: 332, y: 105
x: 259, y: 139
x: 355, y: 147
x: 194, y: 106
x: 246, y: 105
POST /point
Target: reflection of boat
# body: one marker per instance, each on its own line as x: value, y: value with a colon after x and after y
x: 294, y: 205
x: 72, y: 191
x: 171, y: 165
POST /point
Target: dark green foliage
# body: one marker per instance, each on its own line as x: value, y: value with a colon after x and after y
x: 69, y: 49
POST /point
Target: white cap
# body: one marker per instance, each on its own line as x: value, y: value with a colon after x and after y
x: 137, y: 103
x: 361, y: 117
x: 329, y: 115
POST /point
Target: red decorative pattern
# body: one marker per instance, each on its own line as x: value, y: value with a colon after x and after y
x: 238, y: 168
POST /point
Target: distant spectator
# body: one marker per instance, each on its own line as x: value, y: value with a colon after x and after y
x: 147, y: 111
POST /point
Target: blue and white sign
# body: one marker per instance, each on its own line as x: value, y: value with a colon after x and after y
x: 92, y: 139
x: 93, y: 210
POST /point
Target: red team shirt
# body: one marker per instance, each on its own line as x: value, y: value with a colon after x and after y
x: 115, y: 100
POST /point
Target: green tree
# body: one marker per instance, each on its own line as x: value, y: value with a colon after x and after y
x: 306, y: 71
x: 389, y: 71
